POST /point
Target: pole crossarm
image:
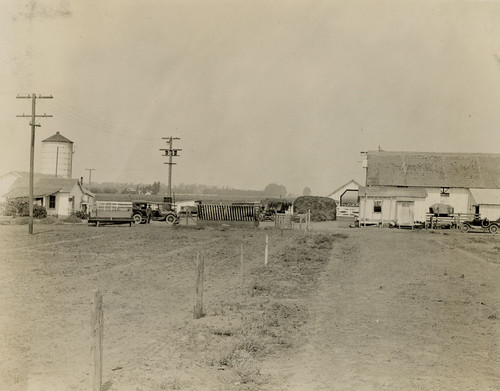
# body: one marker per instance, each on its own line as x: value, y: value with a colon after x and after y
x: 30, y: 96
x: 36, y: 116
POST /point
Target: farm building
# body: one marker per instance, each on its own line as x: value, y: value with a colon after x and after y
x: 57, y: 156
x: 59, y: 196
x: 347, y: 197
x: 402, y: 187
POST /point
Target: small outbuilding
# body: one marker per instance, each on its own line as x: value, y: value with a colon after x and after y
x: 347, y: 199
x: 60, y: 197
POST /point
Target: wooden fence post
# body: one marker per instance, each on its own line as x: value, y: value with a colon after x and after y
x: 97, y: 326
x: 266, y: 253
x: 242, y: 267
x: 198, y: 304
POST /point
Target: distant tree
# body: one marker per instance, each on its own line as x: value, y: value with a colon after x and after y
x: 275, y: 190
x: 109, y: 190
x: 155, y: 188
x: 307, y: 191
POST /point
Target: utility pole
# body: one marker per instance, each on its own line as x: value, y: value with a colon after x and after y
x: 170, y: 152
x: 33, y: 117
x: 90, y: 176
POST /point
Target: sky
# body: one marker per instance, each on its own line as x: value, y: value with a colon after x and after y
x: 259, y: 92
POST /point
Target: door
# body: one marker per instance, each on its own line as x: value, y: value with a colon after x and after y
x: 405, y: 213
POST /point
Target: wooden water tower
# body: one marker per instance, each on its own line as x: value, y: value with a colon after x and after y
x: 57, y: 156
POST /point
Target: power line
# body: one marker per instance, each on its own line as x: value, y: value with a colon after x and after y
x: 33, y: 117
x: 68, y: 110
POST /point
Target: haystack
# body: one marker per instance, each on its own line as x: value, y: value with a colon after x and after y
x: 322, y: 208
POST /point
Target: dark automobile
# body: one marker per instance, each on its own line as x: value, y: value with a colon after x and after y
x: 480, y: 224
x: 146, y: 211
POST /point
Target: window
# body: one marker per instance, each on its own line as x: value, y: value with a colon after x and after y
x: 445, y: 192
x: 52, y: 202
x: 377, y: 206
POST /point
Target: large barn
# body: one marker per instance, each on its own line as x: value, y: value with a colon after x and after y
x: 402, y: 187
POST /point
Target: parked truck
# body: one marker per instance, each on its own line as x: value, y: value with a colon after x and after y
x: 138, y: 212
x: 111, y: 212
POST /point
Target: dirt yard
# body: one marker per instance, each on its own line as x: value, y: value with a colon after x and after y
x: 344, y: 309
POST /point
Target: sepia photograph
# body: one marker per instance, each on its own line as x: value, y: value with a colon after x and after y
x: 249, y: 195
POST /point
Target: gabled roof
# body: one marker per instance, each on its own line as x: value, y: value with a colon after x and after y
x: 45, y: 186
x: 57, y: 138
x: 65, y: 185
x: 344, y: 185
x: 425, y: 169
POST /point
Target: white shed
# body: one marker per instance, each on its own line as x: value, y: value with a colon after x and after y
x: 487, y: 202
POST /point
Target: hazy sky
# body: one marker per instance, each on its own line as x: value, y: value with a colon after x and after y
x: 258, y: 91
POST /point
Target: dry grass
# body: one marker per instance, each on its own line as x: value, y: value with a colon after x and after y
x: 147, y: 275
x: 260, y: 320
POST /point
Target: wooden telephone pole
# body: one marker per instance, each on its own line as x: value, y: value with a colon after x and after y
x: 170, y: 152
x: 33, y: 117
x: 90, y: 176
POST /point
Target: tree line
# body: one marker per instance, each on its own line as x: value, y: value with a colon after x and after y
x: 271, y: 190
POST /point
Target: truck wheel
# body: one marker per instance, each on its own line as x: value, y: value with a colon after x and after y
x: 493, y: 228
x: 137, y: 218
x: 465, y: 228
x: 170, y: 219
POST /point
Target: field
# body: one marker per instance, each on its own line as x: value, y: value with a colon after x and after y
x: 340, y: 309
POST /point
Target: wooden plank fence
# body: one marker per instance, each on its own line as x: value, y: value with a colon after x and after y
x: 227, y: 212
x: 453, y: 220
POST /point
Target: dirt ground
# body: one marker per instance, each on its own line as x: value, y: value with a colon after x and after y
x: 390, y: 310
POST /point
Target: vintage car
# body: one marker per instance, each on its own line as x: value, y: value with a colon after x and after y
x: 146, y: 211
x: 480, y: 224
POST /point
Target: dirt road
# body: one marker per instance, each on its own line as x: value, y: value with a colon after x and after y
x: 401, y: 310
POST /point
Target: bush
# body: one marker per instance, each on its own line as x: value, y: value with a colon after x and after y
x: 39, y: 212
x: 19, y: 207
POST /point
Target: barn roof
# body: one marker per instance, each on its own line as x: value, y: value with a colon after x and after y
x: 388, y: 191
x: 426, y: 169
x: 57, y: 138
